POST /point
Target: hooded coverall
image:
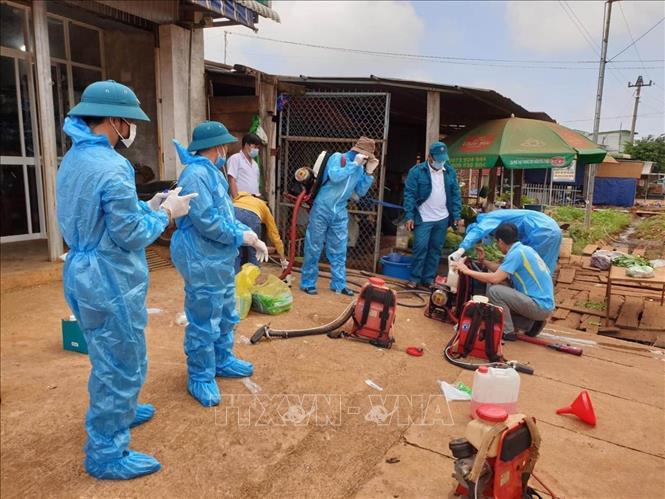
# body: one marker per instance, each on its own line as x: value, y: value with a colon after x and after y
x: 329, y: 219
x: 105, y: 280
x: 204, y: 248
x: 534, y: 228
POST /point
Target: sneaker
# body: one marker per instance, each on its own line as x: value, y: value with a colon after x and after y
x: 536, y: 329
x: 309, y: 291
x: 510, y: 336
x: 345, y: 291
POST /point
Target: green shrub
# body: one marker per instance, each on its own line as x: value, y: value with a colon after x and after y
x: 604, y: 224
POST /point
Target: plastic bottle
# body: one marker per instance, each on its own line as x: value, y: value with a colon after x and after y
x: 496, y: 386
x: 453, y: 276
x: 402, y: 240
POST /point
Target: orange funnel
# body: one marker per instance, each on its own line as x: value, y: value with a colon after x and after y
x: 581, y: 408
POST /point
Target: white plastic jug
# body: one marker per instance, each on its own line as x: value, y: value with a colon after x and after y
x: 497, y: 386
x: 453, y: 276
x: 402, y: 239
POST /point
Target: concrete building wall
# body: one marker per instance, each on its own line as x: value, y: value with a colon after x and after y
x: 181, y: 90
x: 130, y: 60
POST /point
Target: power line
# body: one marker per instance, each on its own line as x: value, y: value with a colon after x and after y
x: 630, y: 33
x: 613, y: 117
x: 589, y: 39
x: 580, y: 26
x: 480, y: 64
x: 435, y: 58
x: 638, y: 39
x: 637, y: 52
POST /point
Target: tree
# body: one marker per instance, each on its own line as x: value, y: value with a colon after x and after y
x: 650, y: 148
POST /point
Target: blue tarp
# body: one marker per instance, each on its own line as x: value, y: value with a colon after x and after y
x: 614, y: 191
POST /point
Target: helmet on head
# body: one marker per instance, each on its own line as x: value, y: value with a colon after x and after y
x: 210, y: 134
x: 109, y: 99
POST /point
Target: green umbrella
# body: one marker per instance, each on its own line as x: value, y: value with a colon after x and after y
x: 520, y: 144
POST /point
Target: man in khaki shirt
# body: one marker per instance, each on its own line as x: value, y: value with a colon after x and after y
x: 253, y: 212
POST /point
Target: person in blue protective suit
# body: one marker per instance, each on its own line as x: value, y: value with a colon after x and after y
x: 432, y: 202
x: 204, y: 249
x: 345, y: 174
x: 536, y: 230
x: 105, y: 275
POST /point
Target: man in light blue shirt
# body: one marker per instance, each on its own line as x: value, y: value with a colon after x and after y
x: 532, y: 292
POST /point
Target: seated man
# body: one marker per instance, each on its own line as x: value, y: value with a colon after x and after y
x: 532, y: 292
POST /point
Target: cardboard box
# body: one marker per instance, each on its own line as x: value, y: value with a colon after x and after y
x: 72, y: 337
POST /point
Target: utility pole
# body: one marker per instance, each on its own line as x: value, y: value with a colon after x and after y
x: 591, y: 169
x: 639, y: 83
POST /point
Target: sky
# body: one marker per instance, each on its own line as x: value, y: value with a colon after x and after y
x: 547, y: 39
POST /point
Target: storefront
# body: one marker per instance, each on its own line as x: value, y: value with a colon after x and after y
x: 76, y: 61
x: 50, y: 51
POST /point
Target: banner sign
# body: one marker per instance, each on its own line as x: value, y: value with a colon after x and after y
x: 566, y: 175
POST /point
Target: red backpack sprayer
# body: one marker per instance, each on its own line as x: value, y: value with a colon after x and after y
x: 373, y: 315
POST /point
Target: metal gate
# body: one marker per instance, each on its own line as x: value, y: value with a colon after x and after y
x: 333, y: 121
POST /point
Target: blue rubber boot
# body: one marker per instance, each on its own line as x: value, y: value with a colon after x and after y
x: 131, y: 465
x: 206, y: 392
x: 144, y: 413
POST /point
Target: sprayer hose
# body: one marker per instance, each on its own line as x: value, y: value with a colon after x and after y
x: 326, y: 328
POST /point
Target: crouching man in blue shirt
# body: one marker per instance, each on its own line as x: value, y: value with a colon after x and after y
x: 531, y: 294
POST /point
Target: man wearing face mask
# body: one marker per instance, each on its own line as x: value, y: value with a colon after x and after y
x: 105, y: 276
x: 204, y: 249
x: 242, y: 168
x: 345, y: 174
x: 432, y: 202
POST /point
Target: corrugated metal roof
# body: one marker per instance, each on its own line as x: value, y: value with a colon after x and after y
x: 229, y: 9
x: 156, y: 11
x: 243, y: 12
x: 503, y: 106
x: 487, y: 96
x: 260, y: 9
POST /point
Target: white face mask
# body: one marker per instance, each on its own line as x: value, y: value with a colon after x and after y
x: 128, y: 141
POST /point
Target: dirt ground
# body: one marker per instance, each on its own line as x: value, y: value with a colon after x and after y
x: 316, y: 429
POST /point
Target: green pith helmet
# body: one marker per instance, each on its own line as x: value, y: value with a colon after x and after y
x: 109, y: 99
x: 210, y: 134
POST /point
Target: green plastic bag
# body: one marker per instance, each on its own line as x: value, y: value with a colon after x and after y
x: 244, y: 282
x: 271, y: 297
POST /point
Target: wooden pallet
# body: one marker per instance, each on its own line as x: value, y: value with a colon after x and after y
x: 653, y: 316
x: 566, y: 275
x: 589, y: 249
x: 629, y: 317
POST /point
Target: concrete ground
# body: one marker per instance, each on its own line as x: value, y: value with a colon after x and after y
x: 316, y: 429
